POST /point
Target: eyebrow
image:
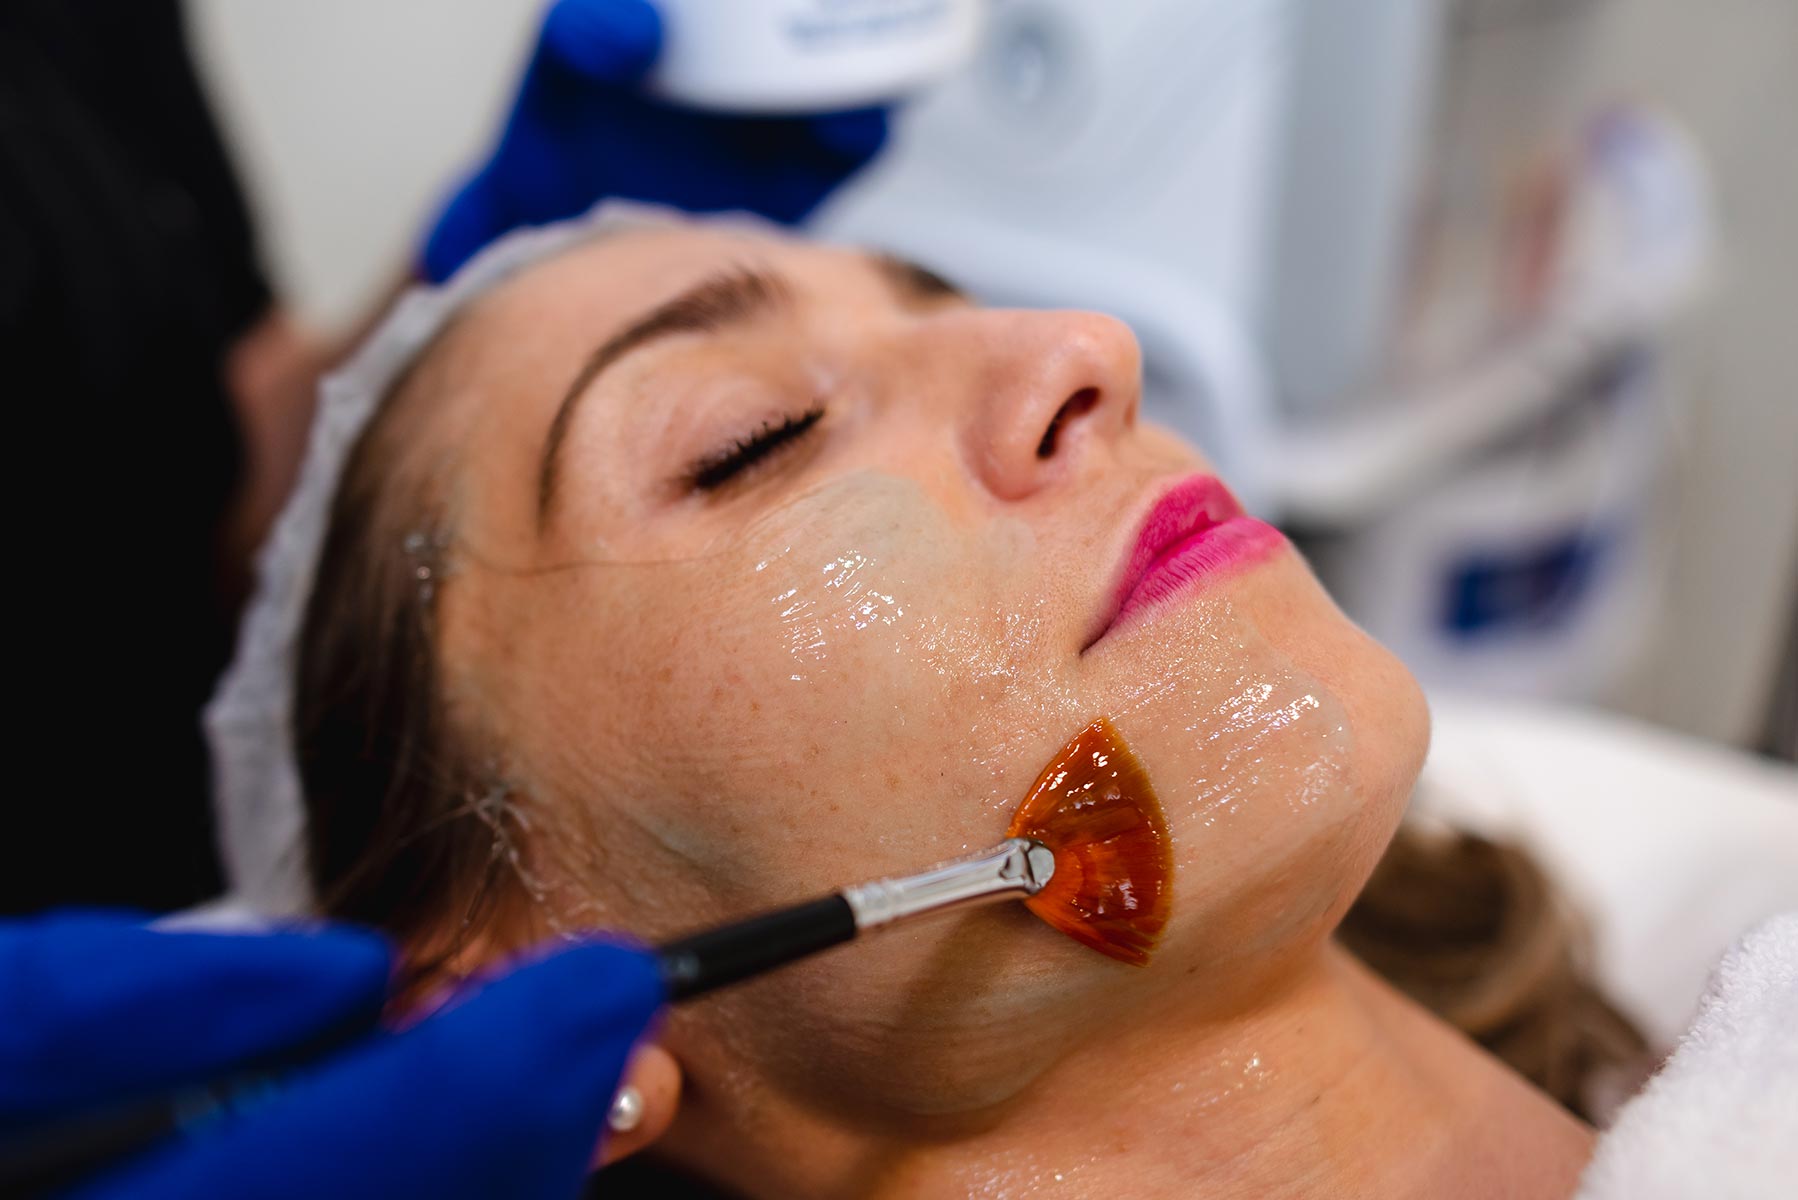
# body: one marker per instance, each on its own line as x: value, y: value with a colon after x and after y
x: 913, y: 281
x: 734, y: 297
x: 727, y: 300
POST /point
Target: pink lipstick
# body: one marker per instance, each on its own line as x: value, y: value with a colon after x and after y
x: 1195, y: 534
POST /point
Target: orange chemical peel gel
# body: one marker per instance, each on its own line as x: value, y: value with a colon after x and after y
x: 1094, y: 808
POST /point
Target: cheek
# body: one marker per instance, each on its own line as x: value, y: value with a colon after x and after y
x: 799, y: 711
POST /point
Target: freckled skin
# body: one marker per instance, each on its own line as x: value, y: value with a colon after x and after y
x: 856, y: 663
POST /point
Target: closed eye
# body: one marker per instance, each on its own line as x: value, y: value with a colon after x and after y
x: 712, y: 472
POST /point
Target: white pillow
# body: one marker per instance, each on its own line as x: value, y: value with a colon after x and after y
x: 1671, y: 847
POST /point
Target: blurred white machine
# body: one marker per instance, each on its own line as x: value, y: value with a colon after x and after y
x: 1376, y: 254
x: 1117, y: 156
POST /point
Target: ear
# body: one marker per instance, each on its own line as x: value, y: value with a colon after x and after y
x: 656, y: 1077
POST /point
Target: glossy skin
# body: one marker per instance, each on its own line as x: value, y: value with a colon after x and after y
x: 854, y: 659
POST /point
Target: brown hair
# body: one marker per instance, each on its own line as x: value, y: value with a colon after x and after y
x: 398, y: 800
x: 403, y: 822
x: 1474, y: 931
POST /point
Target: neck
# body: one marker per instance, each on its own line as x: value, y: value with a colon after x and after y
x: 1335, y: 1085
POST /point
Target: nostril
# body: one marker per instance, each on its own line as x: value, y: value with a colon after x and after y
x: 1080, y: 402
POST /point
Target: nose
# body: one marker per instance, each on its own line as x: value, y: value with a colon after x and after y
x: 1054, y: 389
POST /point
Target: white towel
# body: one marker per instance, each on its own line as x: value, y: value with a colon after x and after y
x: 1720, y: 1119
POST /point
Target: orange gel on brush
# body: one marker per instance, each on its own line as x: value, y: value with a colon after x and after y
x: 1093, y: 807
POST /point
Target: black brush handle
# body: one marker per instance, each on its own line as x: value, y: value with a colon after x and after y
x: 703, y: 961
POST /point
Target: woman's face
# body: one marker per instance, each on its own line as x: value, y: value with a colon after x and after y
x: 800, y: 581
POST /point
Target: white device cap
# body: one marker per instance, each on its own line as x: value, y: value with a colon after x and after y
x: 788, y: 56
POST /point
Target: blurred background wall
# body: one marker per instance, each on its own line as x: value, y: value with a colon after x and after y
x: 349, y: 116
x: 1728, y: 70
x: 349, y: 119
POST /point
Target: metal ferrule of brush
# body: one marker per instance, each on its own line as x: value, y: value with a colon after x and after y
x: 1015, y: 867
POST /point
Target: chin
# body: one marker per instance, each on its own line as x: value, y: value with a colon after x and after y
x: 1382, y: 704
x: 1284, y: 771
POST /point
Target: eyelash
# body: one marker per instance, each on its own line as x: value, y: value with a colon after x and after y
x: 711, y: 473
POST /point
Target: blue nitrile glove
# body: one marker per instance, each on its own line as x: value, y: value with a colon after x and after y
x: 502, y: 1093
x: 580, y: 130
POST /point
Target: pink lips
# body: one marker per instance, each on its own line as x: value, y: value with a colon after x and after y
x: 1194, y: 533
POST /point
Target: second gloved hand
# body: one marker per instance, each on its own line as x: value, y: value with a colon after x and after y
x: 581, y: 130
x: 503, y: 1092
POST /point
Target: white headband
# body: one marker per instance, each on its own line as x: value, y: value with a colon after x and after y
x: 256, y: 778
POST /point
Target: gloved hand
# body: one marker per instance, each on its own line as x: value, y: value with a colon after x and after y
x: 502, y: 1093
x: 580, y: 130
